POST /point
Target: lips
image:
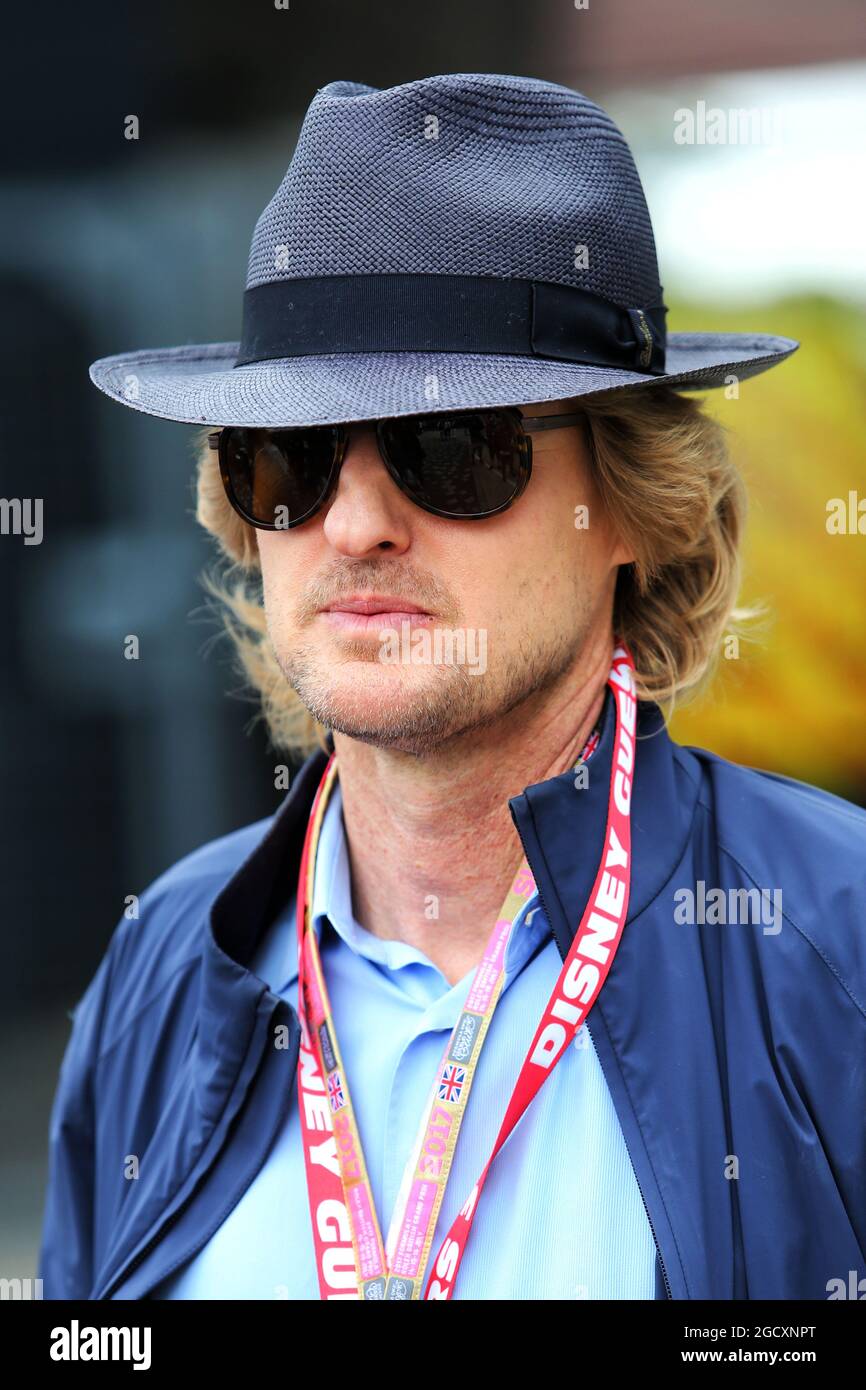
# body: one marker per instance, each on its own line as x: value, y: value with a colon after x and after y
x: 373, y: 614
x: 370, y: 606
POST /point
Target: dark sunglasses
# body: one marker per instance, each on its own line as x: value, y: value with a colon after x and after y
x: 465, y: 465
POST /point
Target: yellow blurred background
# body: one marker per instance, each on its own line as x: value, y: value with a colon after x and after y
x: 795, y: 701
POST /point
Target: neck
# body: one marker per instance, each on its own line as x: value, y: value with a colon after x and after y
x: 432, y: 845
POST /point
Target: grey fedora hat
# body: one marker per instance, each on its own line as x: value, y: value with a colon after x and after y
x: 460, y: 241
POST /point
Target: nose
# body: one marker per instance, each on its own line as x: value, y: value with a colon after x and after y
x: 367, y: 511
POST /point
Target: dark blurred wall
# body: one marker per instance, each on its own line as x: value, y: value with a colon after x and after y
x: 111, y: 769
x: 72, y: 72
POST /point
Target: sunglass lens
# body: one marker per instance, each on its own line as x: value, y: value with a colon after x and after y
x: 470, y: 464
x: 278, y: 477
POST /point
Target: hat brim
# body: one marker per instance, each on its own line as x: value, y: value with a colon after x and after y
x: 199, y: 384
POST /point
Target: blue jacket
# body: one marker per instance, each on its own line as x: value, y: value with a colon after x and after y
x: 735, y: 1052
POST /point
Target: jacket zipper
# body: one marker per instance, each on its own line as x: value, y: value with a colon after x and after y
x: 587, y: 1027
x: 640, y: 1190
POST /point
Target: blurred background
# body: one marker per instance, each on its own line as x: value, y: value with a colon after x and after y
x: 111, y: 770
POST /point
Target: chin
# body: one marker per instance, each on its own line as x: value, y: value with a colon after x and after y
x: 405, y: 709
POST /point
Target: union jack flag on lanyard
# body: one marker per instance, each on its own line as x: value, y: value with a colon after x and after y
x: 451, y: 1082
x: 335, y: 1090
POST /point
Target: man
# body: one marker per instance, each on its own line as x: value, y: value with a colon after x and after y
x: 513, y: 997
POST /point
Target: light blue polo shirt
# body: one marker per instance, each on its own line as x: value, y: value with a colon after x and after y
x: 561, y: 1215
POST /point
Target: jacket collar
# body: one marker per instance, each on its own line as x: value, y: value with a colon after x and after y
x: 562, y: 826
x: 562, y: 829
x: 230, y: 993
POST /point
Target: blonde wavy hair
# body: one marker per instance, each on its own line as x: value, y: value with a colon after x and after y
x: 666, y: 477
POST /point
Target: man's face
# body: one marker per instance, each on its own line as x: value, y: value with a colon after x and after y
x: 515, y: 598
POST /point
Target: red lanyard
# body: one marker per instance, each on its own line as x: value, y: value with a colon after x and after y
x: 351, y: 1258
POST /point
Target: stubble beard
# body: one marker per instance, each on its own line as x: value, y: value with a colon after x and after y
x: 431, y: 709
